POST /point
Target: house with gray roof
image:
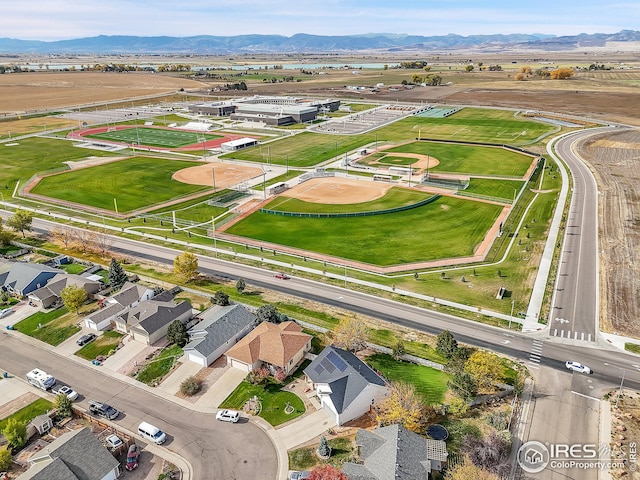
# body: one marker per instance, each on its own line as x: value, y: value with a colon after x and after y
x: 149, y: 320
x: 345, y: 385
x: 22, y: 278
x: 75, y: 455
x: 49, y: 294
x: 130, y: 295
x: 218, y: 330
x: 395, y: 453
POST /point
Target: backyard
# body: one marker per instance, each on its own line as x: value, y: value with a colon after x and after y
x: 26, y: 414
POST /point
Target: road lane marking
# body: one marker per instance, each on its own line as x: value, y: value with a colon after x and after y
x: 585, y: 396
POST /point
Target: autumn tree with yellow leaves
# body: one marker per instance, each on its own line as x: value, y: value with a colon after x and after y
x: 404, y: 406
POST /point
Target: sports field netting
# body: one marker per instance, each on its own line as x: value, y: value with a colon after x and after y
x: 155, y: 137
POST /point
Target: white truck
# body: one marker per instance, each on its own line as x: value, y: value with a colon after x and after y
x: 41, y: 379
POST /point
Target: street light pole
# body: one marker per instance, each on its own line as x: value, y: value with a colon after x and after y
x: 621, y: 381
x: 511, y: 316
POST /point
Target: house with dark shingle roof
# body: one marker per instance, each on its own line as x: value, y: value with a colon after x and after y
x: 75, y: 455
x: 395, y: 453
x: 219, y: 329
x: 49, y: 294
x: 149, y: 320
x: 22, y: 278
x: 130, y: 295
x: 280, y: 345
x: 345, y: 385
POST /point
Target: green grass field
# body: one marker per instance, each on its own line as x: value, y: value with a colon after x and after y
x: 446, y: 228
x: 100, y: 346
x: 505, y: 189
x: 135, y: 183
x: 155, y: 137
x: 159, y: 366
x: 28, y: 413
x: 395, y: 197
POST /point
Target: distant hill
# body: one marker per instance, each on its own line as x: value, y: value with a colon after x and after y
x: 304, y: 43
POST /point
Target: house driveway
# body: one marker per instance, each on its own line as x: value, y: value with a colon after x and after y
x: 185, y: 369
x: 306, y: 428
x: 222, y: 388
x: 124, y: 355
x: 21, y: 311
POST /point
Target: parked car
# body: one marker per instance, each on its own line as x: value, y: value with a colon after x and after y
x: 65, y: 390
x: 103, y: 410
x: 113, y: 441
x: 5, y: 312
x: 228, y: 416
x: 299, y: 475
x: 282, y: 276
x: 83, y: 340
x: 132, y: 457
x: 578, y: 367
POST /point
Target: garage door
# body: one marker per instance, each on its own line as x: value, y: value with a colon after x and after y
x: 140, y: 338
x: 239, y: 365
x: 196, y: 359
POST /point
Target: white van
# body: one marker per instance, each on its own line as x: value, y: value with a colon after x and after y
x: 154, y: 434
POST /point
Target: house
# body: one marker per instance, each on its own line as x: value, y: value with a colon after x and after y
x: 46, y: 296
x: 130, y: 295
x: 75, y: 455
x: 274, y: 345
x: 149, y: 320
x: 395, y: 453
x: 344, y: 384
x: 21, y: 278
x: 218, y: 330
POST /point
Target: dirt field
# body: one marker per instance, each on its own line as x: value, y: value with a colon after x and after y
x: 226, y: 174
x: 423, y: 161
x: 332, y: 190
x: 615, y: 160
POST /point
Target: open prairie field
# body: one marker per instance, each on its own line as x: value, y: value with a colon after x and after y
x: 28, y: 92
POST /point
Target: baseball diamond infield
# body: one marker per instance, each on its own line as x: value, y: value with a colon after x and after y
x: 226, y: 174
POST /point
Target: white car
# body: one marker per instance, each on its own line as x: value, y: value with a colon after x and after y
x: 228, y: 416
x: 64, y: 390
x: 5, y: 312
x: 113, y: 441
x: 577, y: 367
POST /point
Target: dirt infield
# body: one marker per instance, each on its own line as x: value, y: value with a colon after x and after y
x: 226, y: 174
x: 336, y: 190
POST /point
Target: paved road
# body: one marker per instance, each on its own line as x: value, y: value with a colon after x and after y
x: 215, y: 450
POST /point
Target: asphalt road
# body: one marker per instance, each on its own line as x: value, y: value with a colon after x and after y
x: 215, y: 450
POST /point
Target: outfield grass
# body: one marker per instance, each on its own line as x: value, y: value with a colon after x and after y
x: 430, y: 384
x: 159, y: 366
x: 128, y: 181
x: 395, y: 197
x: 28, y: 413
x: 100, y: 346
x: 469, y: 159
x: 506, y: 189
x: 273, y: 401
x: 155, y: 137
x: 446, y: 228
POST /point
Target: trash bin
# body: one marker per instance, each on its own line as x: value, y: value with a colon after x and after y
x: 5, y: 375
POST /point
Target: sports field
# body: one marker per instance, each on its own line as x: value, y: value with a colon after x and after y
x: 135, y: 183
x: 154, y: 137
x: 447, y: 228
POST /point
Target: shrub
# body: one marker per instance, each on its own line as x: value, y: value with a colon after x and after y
x: 190, y: 386
x: 63, y: 406
x: 5, y: 458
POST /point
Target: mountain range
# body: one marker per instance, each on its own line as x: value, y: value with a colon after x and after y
x: 304, y: 43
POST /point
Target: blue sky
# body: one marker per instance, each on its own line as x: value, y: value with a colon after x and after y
x: 65, y: 19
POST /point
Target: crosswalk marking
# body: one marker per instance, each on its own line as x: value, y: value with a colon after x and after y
x: 571, y: 335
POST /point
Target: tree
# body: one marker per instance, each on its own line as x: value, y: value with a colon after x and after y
x: 468, y: 68
x: 20, y: 221
x: 350, y: 334
x: 15, y: 433
x: 221, y: 298
x: 73, y: 297
x: 327, y: 472
x: 519, y: 77
x: 446, y: 344
x: 468, y: 471
x: 63, y: 235
x: 117, y: 276
x: 63, y: 405
x: 464, y: 384
x: 561, y: 73
x: 486, y: 368
x: 404, y: 406
x: 6, y: 237
x: 101, y: 242
x: 241, y: 285
x: 185, y: 266
x: 177, y: 333
x: 324, y: 450
x: 190, y: 386
x: 5, y: 458
x: 398, y: 349
x: 268, y: 313
x: 490, y: 453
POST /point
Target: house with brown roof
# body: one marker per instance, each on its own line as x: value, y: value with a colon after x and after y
x: 46, y: 296
x: 273, y: 345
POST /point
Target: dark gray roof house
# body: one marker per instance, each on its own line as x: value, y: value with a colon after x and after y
x: 149, y: 320
x: 46, y: 296
x: 22, y: 278
x: 75, y: 455
x: 346, y: 386
x: 131, y: 294
x: 395, y: 453
x: 219, y: 329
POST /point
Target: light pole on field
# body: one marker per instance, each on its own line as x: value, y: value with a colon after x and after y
x: 511, y: 316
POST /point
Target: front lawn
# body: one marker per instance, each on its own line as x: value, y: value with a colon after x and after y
x: 100, y: 346
x: 430, y: 383
x: 159, y: 366
x: 52, y: 327
x: 342, y: 450
x: 28, y: 413
x: 273, y: 401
